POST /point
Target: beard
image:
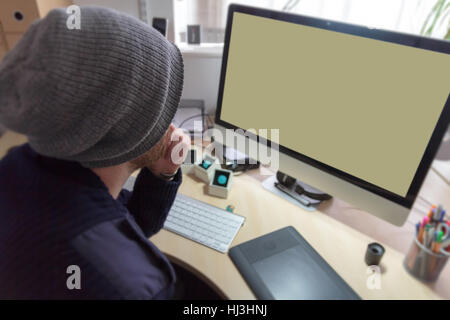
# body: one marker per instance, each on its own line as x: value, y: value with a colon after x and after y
x: 157, y: 152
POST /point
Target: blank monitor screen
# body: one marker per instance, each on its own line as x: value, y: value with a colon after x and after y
x: 363, y: 106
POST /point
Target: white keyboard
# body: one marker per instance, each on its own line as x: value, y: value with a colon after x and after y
x: 203, y: 223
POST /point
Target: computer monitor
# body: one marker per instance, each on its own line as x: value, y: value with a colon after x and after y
x: 360, y: 111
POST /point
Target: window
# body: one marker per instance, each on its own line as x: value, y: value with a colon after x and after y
x: 401, y: 15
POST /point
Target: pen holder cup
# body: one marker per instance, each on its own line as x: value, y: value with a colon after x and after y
x: 423, y: 263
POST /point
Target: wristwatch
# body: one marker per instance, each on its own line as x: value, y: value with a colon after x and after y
x: 168, y: 176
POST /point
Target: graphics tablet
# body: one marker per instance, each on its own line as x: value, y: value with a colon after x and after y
x: 282, y: 265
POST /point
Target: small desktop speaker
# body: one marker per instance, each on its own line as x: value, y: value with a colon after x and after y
x: 205, y: 169
x: 220, y: 184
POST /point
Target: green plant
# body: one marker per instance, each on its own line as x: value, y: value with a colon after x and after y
x: 439, y: 14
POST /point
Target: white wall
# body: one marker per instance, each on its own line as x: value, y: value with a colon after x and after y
x: 201, y: 79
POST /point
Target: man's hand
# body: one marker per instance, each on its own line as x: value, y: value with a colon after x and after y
x: 175, y: 144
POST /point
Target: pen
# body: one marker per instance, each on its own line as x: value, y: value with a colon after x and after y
x: 426, y: 236
x: 437, y: 213
x: 440, y: 235
x: 437, y: 243
x: 436, y: 247
x: 420, y: 235
x: 430, y: 213
x: 422, y: 228
x: 442, y: 215
x: 429, y: 237
x: 433, y: 245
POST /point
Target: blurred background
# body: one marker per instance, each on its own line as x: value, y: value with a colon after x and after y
x: 203, y: 60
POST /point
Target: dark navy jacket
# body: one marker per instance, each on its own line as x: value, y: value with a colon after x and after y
x: 55, y: 214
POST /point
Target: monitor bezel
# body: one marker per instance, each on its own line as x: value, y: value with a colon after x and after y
x: 367, y: 32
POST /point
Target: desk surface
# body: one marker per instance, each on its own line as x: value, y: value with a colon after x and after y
x: 340, y: 245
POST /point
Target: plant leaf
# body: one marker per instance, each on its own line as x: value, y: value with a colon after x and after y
x: 445, y: 13
x: 437, y: 14
x: 430, y: 14
x: 436, y: 17
x: 447, y: 36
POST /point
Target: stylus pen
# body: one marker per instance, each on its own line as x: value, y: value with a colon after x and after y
x: 280, y: 187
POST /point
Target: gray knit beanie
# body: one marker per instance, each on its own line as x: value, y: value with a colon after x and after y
x: 101, y: 95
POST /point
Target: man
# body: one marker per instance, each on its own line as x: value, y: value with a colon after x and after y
x: 96, y: 104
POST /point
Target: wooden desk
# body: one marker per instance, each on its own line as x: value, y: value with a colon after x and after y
x: 334, y: 234
x: 340, y: 245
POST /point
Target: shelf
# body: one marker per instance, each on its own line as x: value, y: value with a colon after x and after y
x: 204, y: 50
